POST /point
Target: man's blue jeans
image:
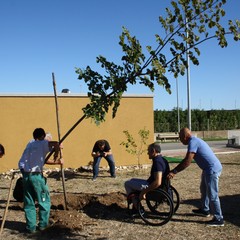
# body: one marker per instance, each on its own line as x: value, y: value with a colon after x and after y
x: 209, y: 194
x: 111, y: 164
x: 135, y: 184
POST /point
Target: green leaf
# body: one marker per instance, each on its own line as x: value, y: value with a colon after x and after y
x: 204, y: 22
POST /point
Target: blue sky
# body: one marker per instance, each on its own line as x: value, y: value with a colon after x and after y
x: 41, y: 37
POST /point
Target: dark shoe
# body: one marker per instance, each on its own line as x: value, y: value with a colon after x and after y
x: 94, y: 178
x: 201, y: 212
x: 142, y: 211
x: 50, y: 224
x: 134, y: 212
x: 113, y: 176
x: 42, y: 228
x: 30, y: 231
x: 215, y: 223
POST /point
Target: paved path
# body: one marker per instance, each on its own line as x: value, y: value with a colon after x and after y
x: 178, y: 149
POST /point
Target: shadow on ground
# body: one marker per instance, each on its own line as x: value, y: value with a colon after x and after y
x: 230, y: 207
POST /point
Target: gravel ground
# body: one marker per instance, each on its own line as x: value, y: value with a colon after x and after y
x: 97, y: 210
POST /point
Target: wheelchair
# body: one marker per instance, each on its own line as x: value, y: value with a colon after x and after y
x: 159, y: 205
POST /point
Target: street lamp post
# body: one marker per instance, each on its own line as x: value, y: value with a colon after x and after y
x: 189, y: 94
x: 188, y: 81
x: 178, y: 116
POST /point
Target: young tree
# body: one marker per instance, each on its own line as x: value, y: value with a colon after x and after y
x: 187, y: 24
x: 134, y: 148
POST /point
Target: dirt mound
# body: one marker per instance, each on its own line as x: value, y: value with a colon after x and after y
x: 84, y: 209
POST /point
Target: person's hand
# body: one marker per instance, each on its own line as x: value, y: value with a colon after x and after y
x: 61, y: 161
x: 104, y: 154
x: 97, y: 154
x: 142, y: 196
x: 170, y: 175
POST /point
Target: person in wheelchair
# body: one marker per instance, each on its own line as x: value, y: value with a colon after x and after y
x: 157, y: 178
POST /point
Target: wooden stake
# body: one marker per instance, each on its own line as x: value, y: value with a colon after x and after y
x: 8, y: 201
x: 59, y: 138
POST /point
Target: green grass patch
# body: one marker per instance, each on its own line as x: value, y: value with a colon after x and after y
x: 174, y: 159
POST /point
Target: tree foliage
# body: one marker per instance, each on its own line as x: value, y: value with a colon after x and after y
x: 166, y: 121
x: 187, y: 24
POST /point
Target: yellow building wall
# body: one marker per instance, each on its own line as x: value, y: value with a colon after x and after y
x: 21, y: 114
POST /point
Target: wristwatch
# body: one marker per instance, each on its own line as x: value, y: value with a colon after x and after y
x: 174, y: 171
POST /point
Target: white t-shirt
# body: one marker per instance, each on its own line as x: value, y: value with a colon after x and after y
x: 33, y: 157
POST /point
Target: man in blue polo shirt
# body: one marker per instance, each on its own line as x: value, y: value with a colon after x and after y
x: 211, y: 171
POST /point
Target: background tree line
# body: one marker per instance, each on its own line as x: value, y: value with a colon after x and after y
x: 202, y: 120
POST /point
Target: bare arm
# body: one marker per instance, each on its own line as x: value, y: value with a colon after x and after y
x: 58, y: 161
x: 182, y: 165
x: 97, y: 154
x: 108, y: 153
x: 57, y: 148
x: 155, y: 184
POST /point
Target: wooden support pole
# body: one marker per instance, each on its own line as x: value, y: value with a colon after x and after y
x: 7, y: 205
x: 59, y: 138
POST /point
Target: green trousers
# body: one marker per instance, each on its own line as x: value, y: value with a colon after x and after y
x: 36, y: 189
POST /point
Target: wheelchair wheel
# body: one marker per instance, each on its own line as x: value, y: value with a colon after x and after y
x: 176, y: 198
x: 157, y: 209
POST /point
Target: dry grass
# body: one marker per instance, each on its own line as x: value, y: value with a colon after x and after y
x: 97, y: 209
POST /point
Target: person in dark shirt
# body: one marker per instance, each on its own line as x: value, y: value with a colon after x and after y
x: 101, y: 149
x: 159, y: 171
